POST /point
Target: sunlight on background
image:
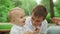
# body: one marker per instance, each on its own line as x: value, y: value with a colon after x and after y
x: 38, y: 2
x: 54, y: 1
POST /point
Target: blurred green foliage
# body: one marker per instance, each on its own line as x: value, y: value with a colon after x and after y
x: 57, y: 8
x: 46, y: 3
x: 5, y: 6
x: 27, y: 5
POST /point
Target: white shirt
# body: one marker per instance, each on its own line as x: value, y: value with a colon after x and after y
x: 19, y: 30
x: 43, y: 27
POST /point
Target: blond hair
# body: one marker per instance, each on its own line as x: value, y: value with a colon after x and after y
x: 12, y: 12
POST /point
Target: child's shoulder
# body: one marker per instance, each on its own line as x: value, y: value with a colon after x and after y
x: 45, y: 22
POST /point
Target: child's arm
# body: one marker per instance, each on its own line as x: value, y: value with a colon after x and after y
x: 32, y: 32
x: 37, y: 29
x: 28, y: 32
x: 44, y: 27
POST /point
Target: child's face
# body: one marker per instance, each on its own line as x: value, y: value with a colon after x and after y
x: 37, y: 21
x: 19, y: 17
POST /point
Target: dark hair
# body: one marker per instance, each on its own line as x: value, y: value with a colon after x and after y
x: 40, y: 11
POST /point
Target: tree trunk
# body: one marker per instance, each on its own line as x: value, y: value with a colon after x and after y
x: 51, y: 8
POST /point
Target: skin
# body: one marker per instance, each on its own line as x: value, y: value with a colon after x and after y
x: 37, y: 21
x: 18, y: 17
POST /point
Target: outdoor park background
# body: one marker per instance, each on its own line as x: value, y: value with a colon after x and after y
x: 52, y: 6
x: 27, y: 5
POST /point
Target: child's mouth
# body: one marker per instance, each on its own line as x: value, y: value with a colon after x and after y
x: 23, y: 21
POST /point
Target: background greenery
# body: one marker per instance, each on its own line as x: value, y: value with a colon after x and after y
x: 27, y: 5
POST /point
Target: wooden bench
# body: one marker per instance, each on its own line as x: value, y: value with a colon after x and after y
x: 4, y: 31
x: 56, y: 20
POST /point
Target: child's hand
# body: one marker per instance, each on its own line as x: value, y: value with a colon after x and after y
x: 37, y: 30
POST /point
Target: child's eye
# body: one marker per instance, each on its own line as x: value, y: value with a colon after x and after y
x: 32, y: 18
